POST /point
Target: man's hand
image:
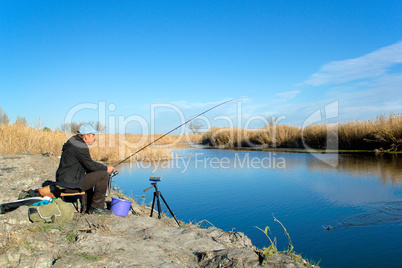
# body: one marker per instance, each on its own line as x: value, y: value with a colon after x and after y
x: 110, y: 169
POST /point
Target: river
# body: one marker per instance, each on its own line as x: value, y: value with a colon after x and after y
x: 358, y: 197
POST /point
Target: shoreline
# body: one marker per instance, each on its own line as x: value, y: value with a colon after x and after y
x: 298, y: 150
x: 113, y: 241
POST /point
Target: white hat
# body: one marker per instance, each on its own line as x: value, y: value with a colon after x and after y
x: 87, y: 129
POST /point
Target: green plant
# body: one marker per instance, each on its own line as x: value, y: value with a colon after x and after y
x: 71, y: 236
x: 28, y: 246
x: 44, y: 227
x: 89, y: 256
x: 272, y: 249
x: 290, y: 246
x: 312, y: 263
x: 40, y: 228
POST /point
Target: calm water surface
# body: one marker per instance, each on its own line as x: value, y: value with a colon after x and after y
x: 238, y: 190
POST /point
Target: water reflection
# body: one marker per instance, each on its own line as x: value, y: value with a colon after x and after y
x: 379, y: 213
x: 348, y: 190
x: 387, y: 168
x: 304, y: 194
x: 351, y: 192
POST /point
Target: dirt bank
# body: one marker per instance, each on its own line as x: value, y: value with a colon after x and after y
x: 112, y: 241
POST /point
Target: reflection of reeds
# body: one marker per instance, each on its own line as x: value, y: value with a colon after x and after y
x: 383, y: 132
x: 386, y: 167
x: 18, y: 138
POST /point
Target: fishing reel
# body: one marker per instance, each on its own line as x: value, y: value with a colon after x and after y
x: 109, y: 184
x: 114, y: 173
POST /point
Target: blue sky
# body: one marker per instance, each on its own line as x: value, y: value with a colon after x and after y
x: 120, y: 59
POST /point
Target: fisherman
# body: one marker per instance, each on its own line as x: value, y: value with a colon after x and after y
x: 77, y: 170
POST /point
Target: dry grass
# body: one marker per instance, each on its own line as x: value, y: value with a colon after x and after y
x: 18, y: 138
x: 383, y: 132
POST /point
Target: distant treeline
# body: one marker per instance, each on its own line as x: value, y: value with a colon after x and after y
x: 383, y: 133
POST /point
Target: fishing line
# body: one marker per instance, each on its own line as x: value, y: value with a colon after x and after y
x: 192, y: 118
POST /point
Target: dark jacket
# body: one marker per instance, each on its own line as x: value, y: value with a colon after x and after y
x: 75, y: 162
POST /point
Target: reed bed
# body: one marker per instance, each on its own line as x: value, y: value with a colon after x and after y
x: 383, y: 133
x: 19, y: 138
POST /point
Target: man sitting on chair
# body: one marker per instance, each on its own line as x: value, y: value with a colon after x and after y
x: 78, y: 171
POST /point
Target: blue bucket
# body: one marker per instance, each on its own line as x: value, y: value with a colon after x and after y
x: 120, y: 207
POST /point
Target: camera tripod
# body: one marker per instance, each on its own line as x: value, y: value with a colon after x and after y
x: 158, y: 202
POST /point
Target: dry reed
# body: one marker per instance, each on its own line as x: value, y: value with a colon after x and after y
x: 384, y: 132
x: 18, y: 138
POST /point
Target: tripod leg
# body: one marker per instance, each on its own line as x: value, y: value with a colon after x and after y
x: 171, y: 212
x: 153, y: 205
x: 158, y: 202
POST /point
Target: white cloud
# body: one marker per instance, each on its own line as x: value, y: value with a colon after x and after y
x: 288, y: 94
x: 365, y: 87
x: 282, y: 97
x: 371, y: 65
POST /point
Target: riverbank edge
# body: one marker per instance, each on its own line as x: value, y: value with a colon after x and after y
x: 79, y: 243
x: 299, y: 150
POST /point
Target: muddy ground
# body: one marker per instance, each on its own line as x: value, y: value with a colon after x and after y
x: 112, y: 241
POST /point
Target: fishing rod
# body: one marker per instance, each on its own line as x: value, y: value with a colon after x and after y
x: 192, y: 118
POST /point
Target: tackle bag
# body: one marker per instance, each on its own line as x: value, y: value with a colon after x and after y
x: 49, y: 190
x: 56, y: 211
